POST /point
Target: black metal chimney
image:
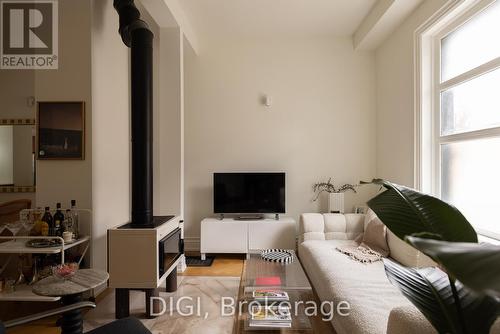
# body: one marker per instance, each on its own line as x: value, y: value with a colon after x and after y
x: 138, y: 37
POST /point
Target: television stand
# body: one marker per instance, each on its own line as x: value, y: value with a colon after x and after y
x: 245, y: 236
x: 249, y: 217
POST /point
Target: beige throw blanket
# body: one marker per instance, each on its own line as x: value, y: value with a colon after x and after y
x: 372, y: 243
x: 361, y: 253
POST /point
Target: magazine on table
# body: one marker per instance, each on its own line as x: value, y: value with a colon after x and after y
x: 270, y: 313
x: 271, y: 295
x: 271, y: 324
x: 270, y: 316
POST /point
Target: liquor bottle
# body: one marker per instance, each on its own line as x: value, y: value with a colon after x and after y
x: 68, y: 222
x: 58, y: 221
x: 74, y: 216
x: 47, y: 218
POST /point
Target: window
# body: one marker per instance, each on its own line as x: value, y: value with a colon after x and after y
x: 464, y: 144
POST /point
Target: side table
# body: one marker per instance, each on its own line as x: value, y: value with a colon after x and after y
x: 70, y: 290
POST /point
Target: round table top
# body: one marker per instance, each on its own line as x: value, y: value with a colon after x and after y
x: 83, y: 280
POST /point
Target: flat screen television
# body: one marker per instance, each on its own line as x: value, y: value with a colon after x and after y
x: 249, y: 193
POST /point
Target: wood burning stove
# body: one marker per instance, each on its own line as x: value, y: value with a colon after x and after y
x: 143, y: 253
x: 143, y: 259
x: 170, y: 250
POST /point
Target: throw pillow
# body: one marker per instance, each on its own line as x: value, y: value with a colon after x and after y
x: 374, y: 236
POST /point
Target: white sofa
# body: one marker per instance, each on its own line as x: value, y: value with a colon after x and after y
x: 376, y: 305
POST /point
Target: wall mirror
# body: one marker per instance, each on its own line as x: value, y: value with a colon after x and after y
x: 17, y: 155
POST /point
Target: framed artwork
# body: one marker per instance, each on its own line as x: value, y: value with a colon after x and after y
x: 61, y: 131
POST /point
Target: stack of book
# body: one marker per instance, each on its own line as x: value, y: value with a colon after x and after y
x: 270, y: 312
x: 270, y: 316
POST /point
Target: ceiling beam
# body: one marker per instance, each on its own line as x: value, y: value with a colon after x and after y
x: 169, y: 14
x: 384, y: 17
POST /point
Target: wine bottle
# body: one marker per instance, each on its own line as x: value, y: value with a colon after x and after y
x: 58, y: 221
x: 47, y: 218
x: 74, y: 215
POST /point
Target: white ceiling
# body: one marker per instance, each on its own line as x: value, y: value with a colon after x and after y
x: 256, y: 18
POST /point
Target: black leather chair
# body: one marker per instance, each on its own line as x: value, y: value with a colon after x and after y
x: 122, y: 326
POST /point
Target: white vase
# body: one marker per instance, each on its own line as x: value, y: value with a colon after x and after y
x: 336, y: 203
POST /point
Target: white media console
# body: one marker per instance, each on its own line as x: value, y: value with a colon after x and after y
x: 245, y: 236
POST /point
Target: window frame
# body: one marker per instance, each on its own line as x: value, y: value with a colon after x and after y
x: 428, y: 90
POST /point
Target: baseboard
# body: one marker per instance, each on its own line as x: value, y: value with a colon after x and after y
x: 192, y: 244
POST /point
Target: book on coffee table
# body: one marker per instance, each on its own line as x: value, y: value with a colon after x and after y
x: 270, y: 316
x: 271, y: 324
x: 270, y: 295
x: 268, y: 281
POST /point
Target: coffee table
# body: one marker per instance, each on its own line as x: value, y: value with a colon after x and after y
x: 260, y: 274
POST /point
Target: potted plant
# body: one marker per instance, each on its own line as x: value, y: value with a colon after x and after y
x: 335, y: 195
x: 461, y: 295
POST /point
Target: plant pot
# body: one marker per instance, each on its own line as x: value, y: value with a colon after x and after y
x: 336, y: 203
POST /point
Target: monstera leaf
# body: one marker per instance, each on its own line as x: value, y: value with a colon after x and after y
x: 429, y: 289
x: 407, y: 212
x: 462, y: 300
x: 477, y: 266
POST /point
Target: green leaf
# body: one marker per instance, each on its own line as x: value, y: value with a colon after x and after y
x: 430, y: 291
x: 427, y: 235
x: 477, y: 266
x: 406, y: 211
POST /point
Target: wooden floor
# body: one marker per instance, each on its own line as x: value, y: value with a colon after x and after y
x: 46, y: 326
x: 223, y: 265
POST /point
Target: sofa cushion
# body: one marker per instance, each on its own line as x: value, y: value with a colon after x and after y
x: 365, y: 287
x: 312, y: 226
x: 408, y: 320
x: 343, y: 227
x: 405, y: 254
x: 374, y: 236
x: 317, y: 226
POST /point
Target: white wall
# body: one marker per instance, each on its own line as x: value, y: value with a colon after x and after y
x: 168, y: 129
x: 59, y: 180
x: 321, y: 123
x: 23, y: 154
x: 110, y: 127
x: 395, y: 101
x: 15, y: 88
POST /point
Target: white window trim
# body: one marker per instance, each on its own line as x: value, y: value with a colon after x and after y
x: 423, y: 93
x: 427, y: 86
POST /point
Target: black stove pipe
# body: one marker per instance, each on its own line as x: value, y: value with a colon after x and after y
x: 136, y: 34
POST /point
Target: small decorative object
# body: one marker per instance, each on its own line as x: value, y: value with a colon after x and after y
x: 336, y: 195
x: 61, y: 130
x: 278, y: 255
x: 67, y: 236
x: 336, y: 203
x: 360, y: 209
x: 66, y: 270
